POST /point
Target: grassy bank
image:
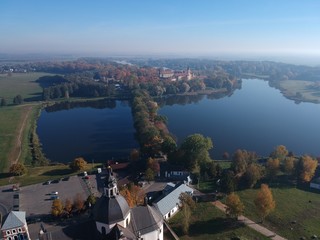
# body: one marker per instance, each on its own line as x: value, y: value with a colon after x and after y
x: 207, y: 222
x: 296, y: 215
x: 10, y: 119
x: 300, y: 91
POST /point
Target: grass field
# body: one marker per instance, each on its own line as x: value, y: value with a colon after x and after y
x: 20, y: 83
x: 42, y: 174
x: 291, y: 87
x: 297, y: 212
x: 207, y: 222
x: 10, y: 118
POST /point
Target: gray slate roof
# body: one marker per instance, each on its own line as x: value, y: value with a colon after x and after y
x: 168, y: 202
x: 111, y: 210
x: 14, y: 219
x: 145, y: 219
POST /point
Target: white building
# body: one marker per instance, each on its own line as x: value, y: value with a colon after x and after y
x: 315, y: 183
x: 169, y: 203
x: 115, y: 220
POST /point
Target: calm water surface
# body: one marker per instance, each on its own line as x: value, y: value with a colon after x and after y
x: 255, y: 118
x: 97, y: 133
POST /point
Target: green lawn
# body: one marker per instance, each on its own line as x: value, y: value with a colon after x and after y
x: 210, y: 223
x: 20, y: 83
x: 43, y: 174
x: 9, y: 120
x: 297, y: 212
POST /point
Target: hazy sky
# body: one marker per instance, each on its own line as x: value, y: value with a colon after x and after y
x: 160, y: 27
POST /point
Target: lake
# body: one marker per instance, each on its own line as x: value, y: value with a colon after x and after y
x: 98, y: 131
x: 256, y: 118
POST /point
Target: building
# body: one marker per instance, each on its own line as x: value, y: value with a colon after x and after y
x: 168, y: 204
x: 315, y: 183
x: 15, y: 226
x: 115, y: 220
x: 169, y: 74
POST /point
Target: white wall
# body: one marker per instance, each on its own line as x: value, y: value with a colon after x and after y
x: 157, y: 234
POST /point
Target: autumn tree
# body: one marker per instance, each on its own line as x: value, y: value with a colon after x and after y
x: 264, y: 201
x: 272, y: 167
x: 307, y: 168
x: 149, y: 174
x: 78, y: 202
x: 253, y: 174
x: 234, y: 206
x: 56, y: 208
x: 289, y: 165
x: 187, y: 204
x: 279, y: 152
x: 91, y: 200
x: 241, y: 159
x: 153, y: 165
x: 127, y: 195
x: 17, y: 169
x: 68, y: 206
x: 78, y: 164
x: 137, y: 194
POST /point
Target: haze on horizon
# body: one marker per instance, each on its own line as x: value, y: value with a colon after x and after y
x: 193, y: 28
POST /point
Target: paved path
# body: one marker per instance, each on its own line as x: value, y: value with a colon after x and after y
x: 264, y: 231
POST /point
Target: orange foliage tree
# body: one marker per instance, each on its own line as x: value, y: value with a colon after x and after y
x: 234, y: 205
x: 307, y: 167
x: 264, y: 201
x: 273, y: 166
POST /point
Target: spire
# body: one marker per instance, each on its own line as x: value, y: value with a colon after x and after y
x: 110, y: 184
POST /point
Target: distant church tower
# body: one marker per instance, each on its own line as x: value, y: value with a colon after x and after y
x: 112, y: 208
x: 189, y: 74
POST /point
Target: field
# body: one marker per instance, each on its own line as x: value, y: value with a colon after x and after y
x: 290, y: 88
x: 296, y: 215
x: 11, y: 120
x: 207, y: 222
x: 15, y: 121
x: 20, y: 83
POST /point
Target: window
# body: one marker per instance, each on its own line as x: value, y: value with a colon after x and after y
x: 8, y: 232
x: 19, y: 230
x: 127, y: 222
x: 14, y: 231
x: 103, y: 230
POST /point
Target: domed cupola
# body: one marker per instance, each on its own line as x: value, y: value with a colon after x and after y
x: 111, y: 208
